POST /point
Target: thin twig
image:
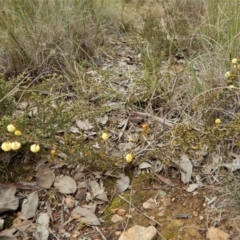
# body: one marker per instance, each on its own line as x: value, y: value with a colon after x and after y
x: 181, y: 229
x: 123, y: 129
x: 61, y: 217
x: 15, y: 89
x: 158, y: 119
x: 100, y: 232
x: 158, y: 223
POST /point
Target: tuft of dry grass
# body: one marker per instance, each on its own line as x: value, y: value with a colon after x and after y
x: 43, y: 36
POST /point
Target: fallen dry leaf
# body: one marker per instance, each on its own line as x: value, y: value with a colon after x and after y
x: 186, y: 167
x: 1, y: 224
x: 33, y: 112
x: 81, y: 194
x: 74, y: 129
x: 95, y: 188
x: 8, y: 201
x: 29, y: 206
x: 45, y: 176
x: 84, y: 125
x: 23, y: 226
x: 103, y: 120
x: 65, y: 184
x: 150, y: 204
x: 42, y: 226
x: 167, y: 181
x: 122, y: 183
x: 8, y: 234
x: 102, y: 197
x: 87, y: 216
x: 22, y: 105
x: 235, y: 165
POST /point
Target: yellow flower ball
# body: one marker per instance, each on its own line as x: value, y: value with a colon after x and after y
x: 15, y: 145
x: 53, y: 152
x: 11, y: 128
x: 129, y: 157
x: 17, y: 133
x: 231, y: 86
x: 234, y: 61
x: 144, y: 126
x: 228, y: 74
x: 6, y: 146
x: 218, y: 121
x: 35, y: 148
x: 105, y: 136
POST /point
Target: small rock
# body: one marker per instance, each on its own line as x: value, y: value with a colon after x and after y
x: 139, y: 233
x: 121, y: 212
x: 69, y: 202
x: 166, y: 202
x: 195, y: 214
x: 116, y: 218
x: 217, y: 234
x: 76, y: 216
x: 201, y: 217
x: 192, y: 187
x: 75, y: 234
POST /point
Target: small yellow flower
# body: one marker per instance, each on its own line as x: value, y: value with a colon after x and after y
x: 105, y: 136
x: 174, y: 143
x: 18, y: 133
x: 231, y: 87
x: 229, y: 82
x: 129, y: 157
x: 195, y: 147
x: 234, y: 61
x: 218, y: 121
x: 53, y: 152
x: 6, y: 146
x: 146, y: 128
x: 15, y: 145
x: 11, y: 128
x: 34, y: 148
x: 228, y: 74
